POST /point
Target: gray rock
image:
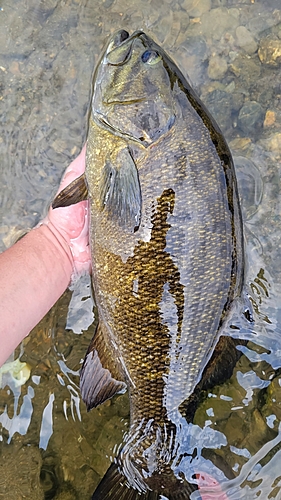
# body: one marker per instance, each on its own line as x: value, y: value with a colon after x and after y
x: 247, y: 70
x: 220, y: 105
x: 195, y: 8
x: 245, y: 40
x: 251, y: 117
x: 217, y: 67
x: 216, y: 22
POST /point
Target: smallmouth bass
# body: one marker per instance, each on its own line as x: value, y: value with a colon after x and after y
x: 167, y: 257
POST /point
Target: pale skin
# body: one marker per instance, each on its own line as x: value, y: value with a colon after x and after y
x: 39, y: 267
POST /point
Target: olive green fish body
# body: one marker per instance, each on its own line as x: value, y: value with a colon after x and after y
x: 167, y: 253
x: 162, y: 290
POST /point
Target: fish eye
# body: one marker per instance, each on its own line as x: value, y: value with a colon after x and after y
x: 151, y: 57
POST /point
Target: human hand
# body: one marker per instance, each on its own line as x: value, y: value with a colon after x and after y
x: 209, y: 488
x: 72, y: 223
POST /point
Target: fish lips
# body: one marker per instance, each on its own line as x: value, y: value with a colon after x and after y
x: 119, y: 48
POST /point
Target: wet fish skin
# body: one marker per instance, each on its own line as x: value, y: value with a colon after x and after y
x: 186, y: 258
x: 167, y: 252
x: 167, y: 246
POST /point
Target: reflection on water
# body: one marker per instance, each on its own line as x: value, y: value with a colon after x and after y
x: 49, y: 446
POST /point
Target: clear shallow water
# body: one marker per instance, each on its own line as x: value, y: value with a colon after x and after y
x: 50, y: 447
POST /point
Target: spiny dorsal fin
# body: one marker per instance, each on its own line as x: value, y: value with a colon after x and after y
x: 76, y: 191
x: 120, y: 191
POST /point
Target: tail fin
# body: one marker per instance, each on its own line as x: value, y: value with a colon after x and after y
x: 113, y: 487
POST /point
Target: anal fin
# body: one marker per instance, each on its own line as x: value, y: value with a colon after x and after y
x: 98, y: 375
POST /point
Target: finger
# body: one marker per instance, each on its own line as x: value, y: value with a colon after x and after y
x: 209, y: 487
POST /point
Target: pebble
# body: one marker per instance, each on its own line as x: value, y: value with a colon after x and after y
x: 210, y: 86
x: 259, y: 433
x: 274, y: 143
x: 240, y: 144
x: 216, y: 22
x: 14, y: 234
x: 251, y: 117
x: 260, y: 23
x: 190, y: 57
x: 217, y: 67
x: 59, y: 145
x: 270, y: 51
x: 107, y: 3
x: 245, y: 69
x: 184, y: 23
x: 196, y: 46
x: 270, y: 119
x: 17, y: 372
x: 195, y: 8
x: 220, y: 105
x: 220, y: 407
x: 245, y: 40
x: 14, y: 68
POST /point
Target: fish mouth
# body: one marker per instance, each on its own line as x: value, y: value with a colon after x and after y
x: 119, y: 48
x: 120, y: 37
x: 126, y: 102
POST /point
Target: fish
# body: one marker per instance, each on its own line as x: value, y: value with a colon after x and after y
x: 168, y: 261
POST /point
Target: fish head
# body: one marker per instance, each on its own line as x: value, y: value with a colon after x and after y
x: 133, y: 89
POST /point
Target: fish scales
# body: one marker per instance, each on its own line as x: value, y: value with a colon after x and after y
x: 167, y: 260
x: 191, y: 244
x: 164, y: 287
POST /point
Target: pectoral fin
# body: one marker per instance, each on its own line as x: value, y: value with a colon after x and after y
x: 120, y: 191
x: 73, y: 193
x: 97, y: 375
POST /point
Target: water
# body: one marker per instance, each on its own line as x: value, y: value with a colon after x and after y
x: 50, y: 448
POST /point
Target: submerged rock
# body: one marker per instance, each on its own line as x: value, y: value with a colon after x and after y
x: 20, y: 473
x: 247, y: 70
x: 251, y: 117
x: 17, y: 372
x: 270, y: 118
x: 220, y: 104
x: 271, y: 410
x: 216, y: 22
x: 245, y: 40
x: 217, y: 67
x: 270, y: 51
x: 195, y: 8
